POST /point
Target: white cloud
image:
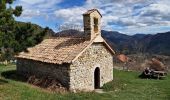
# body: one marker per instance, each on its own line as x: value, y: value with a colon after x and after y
x: 148, y: 30
x: 32, y: 1
x: 129, y: 15
x: 156, y: 10
x: 48, y: 4
x: 71, y: 15
x: 34, y: 8
x: 30, y: 13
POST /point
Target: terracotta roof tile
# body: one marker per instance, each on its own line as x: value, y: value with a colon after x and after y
x: 56, y: 50
x: 90, y: 11
x: 123, y: 58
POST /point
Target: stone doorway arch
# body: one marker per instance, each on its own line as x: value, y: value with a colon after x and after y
x: 97, y: 78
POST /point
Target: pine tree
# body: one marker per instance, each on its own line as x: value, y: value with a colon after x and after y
x: 7, y: 26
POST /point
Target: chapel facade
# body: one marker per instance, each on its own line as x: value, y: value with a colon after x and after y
x: 80, y: 64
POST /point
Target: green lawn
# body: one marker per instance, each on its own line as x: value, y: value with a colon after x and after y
x: 126, y: 86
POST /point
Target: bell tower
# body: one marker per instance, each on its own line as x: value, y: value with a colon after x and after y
x: 92, y: 24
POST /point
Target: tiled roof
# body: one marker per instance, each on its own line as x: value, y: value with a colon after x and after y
x: 90, y: 11
x: 123, y: 58
x: 56, y: 50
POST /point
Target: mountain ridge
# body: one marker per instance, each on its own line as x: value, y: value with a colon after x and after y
x: 131, y: 44
x: 139, y: 43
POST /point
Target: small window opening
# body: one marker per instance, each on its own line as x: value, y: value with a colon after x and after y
x: 96, y: 25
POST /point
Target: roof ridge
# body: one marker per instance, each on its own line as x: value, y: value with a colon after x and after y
x: 92, y: 10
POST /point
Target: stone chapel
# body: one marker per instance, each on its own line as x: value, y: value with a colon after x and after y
x: 78, y: 63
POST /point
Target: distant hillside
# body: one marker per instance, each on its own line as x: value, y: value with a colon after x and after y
x: 115, y: 39
x: 69, y: 33
x: 159, y: 43
x: 138, y: 43
x: 34, y: 28
x: 155, y: 44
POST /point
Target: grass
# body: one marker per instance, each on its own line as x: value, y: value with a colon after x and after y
x: 126, y: 86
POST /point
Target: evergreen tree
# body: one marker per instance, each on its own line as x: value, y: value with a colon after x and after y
x: 7, y: 26
x: 17, y: 36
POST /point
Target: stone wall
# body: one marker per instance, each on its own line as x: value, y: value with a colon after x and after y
x: 39, y: 69
x: 93, y: 15
x: 80, y: 74
x: 82, y: 70
x: 89, y: 25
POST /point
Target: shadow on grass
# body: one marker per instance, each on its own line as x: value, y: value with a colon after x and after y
x: 3, y: 82
x: 43, y: 82
x: 12, y: 74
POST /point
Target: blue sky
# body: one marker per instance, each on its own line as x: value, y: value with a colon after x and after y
x: 126, y: 16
